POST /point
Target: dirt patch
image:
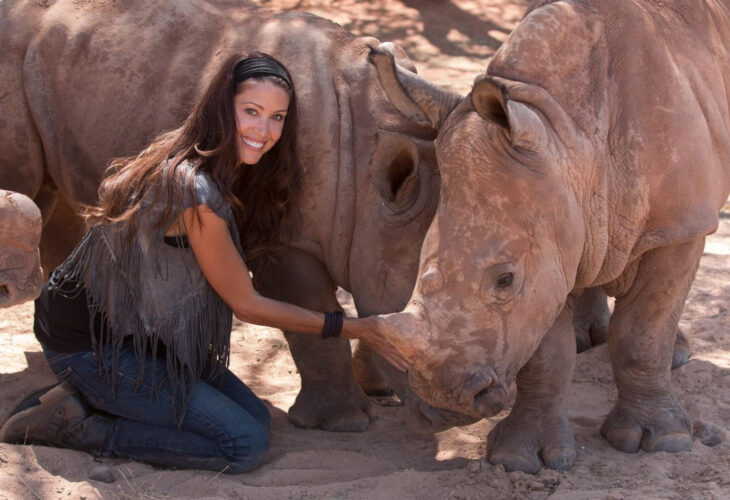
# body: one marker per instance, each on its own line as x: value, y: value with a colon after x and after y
x: 450, y: 42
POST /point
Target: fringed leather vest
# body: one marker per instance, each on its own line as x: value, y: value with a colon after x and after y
x: 154, y: 292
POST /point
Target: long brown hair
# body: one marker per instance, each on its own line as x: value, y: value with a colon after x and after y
x: 260, y: 195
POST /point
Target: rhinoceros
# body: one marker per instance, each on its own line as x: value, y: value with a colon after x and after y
x: 84, y: 82
x: 21, y: 276
x: 594, y: 151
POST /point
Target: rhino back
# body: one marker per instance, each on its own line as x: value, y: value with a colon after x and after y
x: 645, y: 86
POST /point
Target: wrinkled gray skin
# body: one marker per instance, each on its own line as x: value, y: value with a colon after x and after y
x: 595, y: 151
x: 21, y: 276
x: 83, y: 82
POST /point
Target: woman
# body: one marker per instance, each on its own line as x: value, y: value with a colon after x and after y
x: 138, y: 318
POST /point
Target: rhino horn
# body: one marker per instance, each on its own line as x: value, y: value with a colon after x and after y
x: 491, y: 100
x: 418, y: 99
x: 405, y: 330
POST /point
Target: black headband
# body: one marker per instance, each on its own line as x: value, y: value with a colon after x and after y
x: 259, y: 66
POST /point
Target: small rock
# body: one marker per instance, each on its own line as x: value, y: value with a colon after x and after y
x: 708, y: 434
x: 103, y: 474
x: 493, y: 484
x: 550, y: 480
x: 517, y: 476
x: 474, y: 466
x: 535, y: 486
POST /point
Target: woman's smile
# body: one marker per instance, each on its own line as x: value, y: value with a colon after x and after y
x: 256, y: 145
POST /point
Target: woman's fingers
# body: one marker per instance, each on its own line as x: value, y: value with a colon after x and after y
x: 366, y: 330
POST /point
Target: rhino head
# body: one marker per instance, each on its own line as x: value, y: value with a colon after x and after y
x: 503, y: 250
x: 21, y: 276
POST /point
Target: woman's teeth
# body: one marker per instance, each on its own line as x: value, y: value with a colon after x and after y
x: 252, y: 143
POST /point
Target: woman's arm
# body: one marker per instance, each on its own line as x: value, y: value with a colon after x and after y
x: 227, y: 273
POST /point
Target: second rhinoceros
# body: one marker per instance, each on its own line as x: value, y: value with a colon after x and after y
x: 595, y: 151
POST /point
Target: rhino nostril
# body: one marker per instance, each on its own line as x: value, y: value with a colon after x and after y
x: 4, y: 292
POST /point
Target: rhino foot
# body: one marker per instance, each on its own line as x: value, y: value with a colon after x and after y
x: 666, y: 427
x: 528, y: 440
x: 345, y: 413
x: 682, y: 350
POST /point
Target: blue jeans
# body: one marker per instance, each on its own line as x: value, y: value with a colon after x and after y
x: 225, y: 428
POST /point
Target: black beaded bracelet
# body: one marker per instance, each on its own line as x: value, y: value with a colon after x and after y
x: 333, y: 322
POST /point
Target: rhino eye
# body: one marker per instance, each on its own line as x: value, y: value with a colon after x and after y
x: 504, y: 280
x: 501, y: 283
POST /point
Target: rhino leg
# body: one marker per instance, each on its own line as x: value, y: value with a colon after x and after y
x: 330, y: 398
x: 537, y: 432
x: 682, y: 350
x: 641, y: 339
x: 367, y: 374
x: 590, y: 318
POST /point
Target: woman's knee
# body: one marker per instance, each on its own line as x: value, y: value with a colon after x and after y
x: 263, y: 417
x: 247, y: 452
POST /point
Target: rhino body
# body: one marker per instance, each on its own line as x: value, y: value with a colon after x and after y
x: 595, y: 151
x: 84, y: 82
x: 21, y: 276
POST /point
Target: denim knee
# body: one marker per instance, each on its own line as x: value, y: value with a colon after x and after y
x: 246, y: 452
x: 264, y: 418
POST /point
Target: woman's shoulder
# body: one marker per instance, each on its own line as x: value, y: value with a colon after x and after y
x: 206, y: 189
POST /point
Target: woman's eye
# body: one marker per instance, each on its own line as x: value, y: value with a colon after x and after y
x: 504, y: 280
x: 277, y: 117
x: 250, y: 111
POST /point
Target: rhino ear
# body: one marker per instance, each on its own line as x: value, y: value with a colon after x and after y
x: 394, y: 168
x: 525, y: 127
x: 418, y: 99
x: 399, y: 55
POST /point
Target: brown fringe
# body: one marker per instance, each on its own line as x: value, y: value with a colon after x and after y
x: 115, y: 272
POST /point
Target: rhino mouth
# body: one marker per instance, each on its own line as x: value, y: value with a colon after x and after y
x: 479, y: 394
x: 485, y: 393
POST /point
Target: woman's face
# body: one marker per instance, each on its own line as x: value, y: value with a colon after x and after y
x: 260, y: 108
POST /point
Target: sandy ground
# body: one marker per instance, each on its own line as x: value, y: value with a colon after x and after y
x: 450, y: 42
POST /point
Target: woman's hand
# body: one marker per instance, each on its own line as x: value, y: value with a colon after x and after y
x: 365, y: 330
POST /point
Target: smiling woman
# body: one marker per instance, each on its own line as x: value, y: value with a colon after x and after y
x: 261, y: 106
x: 146, y: 297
